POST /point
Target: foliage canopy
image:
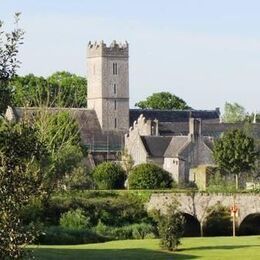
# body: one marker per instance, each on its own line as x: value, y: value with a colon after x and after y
x: 235, y: 152
x: 108, y: 175
x: 163, y: 101
x: 149, y: 176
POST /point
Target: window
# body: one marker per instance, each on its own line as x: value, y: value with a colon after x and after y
x: 115, y: 104
x: 114, y: 68
x: 114, y: 88
x: 115, y: 123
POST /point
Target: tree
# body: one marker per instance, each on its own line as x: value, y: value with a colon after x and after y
x: 235, y: 153
x: 233, y: 113
x: 171, y: 228
x: 71, y: 89
x: 22, y: 165
x: 9, y: 43
x: 61, y: 89
x: 149, y: 176
x: 127, y: 163
x: 60, y: 132
x: 108, y: 175
x: 163, y: 101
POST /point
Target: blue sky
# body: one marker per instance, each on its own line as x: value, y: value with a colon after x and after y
x: 207, y: 52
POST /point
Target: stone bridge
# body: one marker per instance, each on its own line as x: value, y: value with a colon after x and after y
x: 197, y: 204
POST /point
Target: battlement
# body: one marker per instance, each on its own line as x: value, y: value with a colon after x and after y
x: 100, y: 49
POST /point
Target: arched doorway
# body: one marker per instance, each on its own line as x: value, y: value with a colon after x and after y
x: 192, y: 226
x: 250, y: 225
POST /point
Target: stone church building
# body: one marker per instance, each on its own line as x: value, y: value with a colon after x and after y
x: 175, y: 140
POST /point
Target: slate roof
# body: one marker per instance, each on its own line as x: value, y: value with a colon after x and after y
x: 156, y: 145
x: 177, y: 144
x: 173, y: 115
x: 89, y: 127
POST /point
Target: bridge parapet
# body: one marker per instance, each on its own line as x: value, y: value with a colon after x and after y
x: 197, y: 204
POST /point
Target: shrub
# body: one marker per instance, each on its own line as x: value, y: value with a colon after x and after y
x: 56, y: 235
x: 134, y: 231
x: 171, y: 228
x: 74, y: 219
x: 142, y: 230
x: 109, y: 175
x: 149, y: 176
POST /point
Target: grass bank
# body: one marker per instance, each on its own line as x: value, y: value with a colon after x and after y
x: 192, y: 248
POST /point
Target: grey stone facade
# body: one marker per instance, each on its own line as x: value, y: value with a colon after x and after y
x: 108, y: 84
x: 176, y: 154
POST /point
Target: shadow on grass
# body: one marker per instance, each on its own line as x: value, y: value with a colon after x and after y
x: 228, y: 247
x: 107, y: 254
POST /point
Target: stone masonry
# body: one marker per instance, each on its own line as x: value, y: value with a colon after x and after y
x: 108, y: 84
x: 197, y: 204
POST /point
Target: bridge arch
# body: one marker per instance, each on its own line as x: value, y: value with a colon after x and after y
x: 191, y: 226
x: 250, y: 225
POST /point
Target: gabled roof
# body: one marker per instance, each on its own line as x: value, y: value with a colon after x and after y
x: 176, y: 146
x: 172, y: 115
x: 156, y: 145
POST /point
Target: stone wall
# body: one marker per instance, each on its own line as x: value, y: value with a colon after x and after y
x: 197, y: 204
x: 108, y: 92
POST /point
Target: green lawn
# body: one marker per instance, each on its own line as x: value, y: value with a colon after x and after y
x: 191, y: 248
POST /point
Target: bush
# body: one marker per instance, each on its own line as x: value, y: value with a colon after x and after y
x: 113, y: 208
x: 79, y: 179
x: 171, y: 228
x: 74, y: 219
x: 109, y: 175
x: 149, y: 176
x: 134, y: 231
x: 56, y: 235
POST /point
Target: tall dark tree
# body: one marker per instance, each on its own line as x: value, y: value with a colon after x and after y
x: 9, y: 43
x: 163, y: 101
x: 235, y: 153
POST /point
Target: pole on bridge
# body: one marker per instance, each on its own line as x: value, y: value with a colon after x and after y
x: 234, y: 211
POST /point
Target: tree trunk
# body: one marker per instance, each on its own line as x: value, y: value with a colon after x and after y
x: 201, y: 229
x: 236, y: 177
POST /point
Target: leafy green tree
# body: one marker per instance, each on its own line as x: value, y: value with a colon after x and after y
x: 108, y: 175
x: 9, y: 43
x: 149, y: 176
x: 233, y: 113
x: 61, y: 89
x: 23, y: 158
x: 171, y: 228
x: 70, y: 89
x: 163, y: 101
x: 235, y: 153
x: 30, y: 90
x: 60, y: 132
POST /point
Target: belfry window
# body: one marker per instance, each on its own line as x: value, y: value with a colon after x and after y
x: 114, y: 88
x: 115, y: 104
x: 115, y: 123
x: 114, y: 68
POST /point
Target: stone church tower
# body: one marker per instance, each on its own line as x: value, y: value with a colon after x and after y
x: 108, y: 84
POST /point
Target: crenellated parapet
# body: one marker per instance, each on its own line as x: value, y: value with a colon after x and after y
x: 118, y: 49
